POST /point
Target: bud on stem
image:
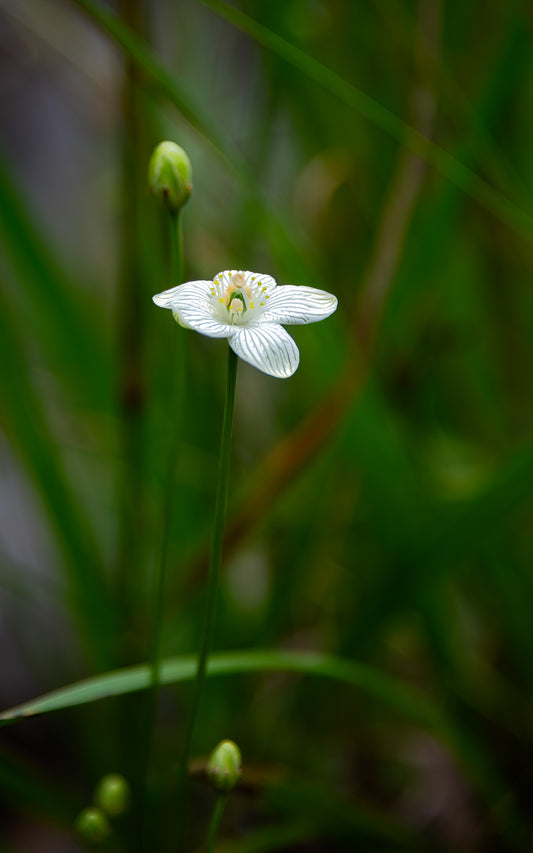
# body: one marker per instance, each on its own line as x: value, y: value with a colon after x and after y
x: 224, y: 767
x: 170, y: 176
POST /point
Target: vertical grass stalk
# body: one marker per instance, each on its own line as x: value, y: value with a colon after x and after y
x: 176, y: 401
x: 176, y: 396
x: 214, y: 564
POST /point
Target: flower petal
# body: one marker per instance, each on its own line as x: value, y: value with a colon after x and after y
x: 191, y: 307
x: 204, y: 324
x: 190, y: 290
x: 295, y: 305
x: 269, y: 348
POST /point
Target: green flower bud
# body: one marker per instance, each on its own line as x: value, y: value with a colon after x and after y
x: 170, y: 175
x: 93, y: 826
x: 113, y: 794
x: 224, y: 766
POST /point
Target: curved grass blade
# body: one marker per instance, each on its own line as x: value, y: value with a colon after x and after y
x: 162, y: 83
x: 406, y: 700
x: 446, y: 164
x: 355, y: 99
x: 282, y: 465
x: 52, y: 302
x: 25, y: 423
x: 157, y: 77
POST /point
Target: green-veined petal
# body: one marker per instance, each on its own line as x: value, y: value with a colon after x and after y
x: 191, y: 307
x: 295, y: 305
x: 269, y: 348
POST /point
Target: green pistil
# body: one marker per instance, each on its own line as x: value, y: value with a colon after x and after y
x: 240, y: 297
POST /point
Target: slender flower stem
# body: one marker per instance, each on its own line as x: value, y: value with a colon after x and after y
x: 176, y: 395
x: 218, y: 811
x: 214, y: 563
x: 176, y: 248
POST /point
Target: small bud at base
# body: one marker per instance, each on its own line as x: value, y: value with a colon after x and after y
x: 224, y: 766
x: 93, y: 825
x: 170, y: 175
x: 113, y: 794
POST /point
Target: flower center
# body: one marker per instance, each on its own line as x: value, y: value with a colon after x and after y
x: 237, y: 299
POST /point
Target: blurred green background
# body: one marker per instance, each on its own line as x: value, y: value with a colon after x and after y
x: 381, y: 503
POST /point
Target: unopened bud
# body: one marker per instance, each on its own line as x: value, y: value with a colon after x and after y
x: 224, y: 766
x: 113, y: 794
x: 93, y: 825
x: 170, y: 175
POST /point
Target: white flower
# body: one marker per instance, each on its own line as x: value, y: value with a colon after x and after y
x: 248, y: 309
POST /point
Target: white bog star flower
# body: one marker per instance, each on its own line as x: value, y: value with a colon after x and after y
x: 248, y: 309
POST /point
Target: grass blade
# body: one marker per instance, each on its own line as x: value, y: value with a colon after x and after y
x: 24, y: 421
x: 52, y: 303
x: 358, y: 101
x: 446, y: 164
x: 406, y: 700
